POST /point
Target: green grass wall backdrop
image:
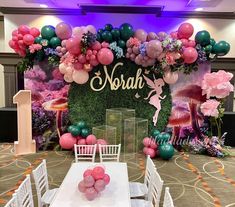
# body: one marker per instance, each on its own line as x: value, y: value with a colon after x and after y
x: 90, y: 106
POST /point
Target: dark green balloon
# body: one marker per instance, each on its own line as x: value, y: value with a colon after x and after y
x: 126, y: 31
x: 81, y: 124
x: 40, y: 55
x: 54, y: 42
x: 100, y: 31
x: 203, y: 38
x: 85, y: 132
x: 212, y: 42
x: 121, y: 43
x: 107, y: 36
x: 166, y: 151
x: 75, y: 131
x: 48, y: 32
x: 208, y: 49
x: 108, y: 27
x: 155, y: 133
x: 98, y: 37
x: 44, y: 42
x: 115, y: 33
x: 37, y: 40
x: 221, y: 48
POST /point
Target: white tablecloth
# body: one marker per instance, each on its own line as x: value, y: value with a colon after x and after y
x: 116, y: 193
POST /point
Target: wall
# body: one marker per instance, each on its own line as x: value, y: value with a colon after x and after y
x: 2, y: 43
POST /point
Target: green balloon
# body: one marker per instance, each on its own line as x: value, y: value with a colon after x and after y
x: 221, y: 48
x: 107, y: 36
x: 37, y: 40
x: 108, y: 27
x: 126, y: 31
x: 81, y: 124
x: 98, y: 37
x: 54, y: 42
x: 212, y: 41
x: 48, y: 32
x: 44, y: 42
x: 85, y: 132
x: 100, y: 31
x: 166, y: 151
x: 75, y: 131
x: 121, y: 44
x: 40, y: 55
x: 115, y: 33
x: 208, y: 49
x: 155, y: 133
x: 203, y: 38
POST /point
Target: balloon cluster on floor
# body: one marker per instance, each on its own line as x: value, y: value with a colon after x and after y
x: 94, y: 182
x: 77, y: 50
x: 158, y: 145
x: 79, y: 133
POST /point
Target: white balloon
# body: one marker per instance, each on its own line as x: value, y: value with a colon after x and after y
x: 80, y: 76
x: 62, y: 68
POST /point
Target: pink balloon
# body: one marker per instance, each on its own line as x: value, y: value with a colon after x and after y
x: 78, y: 66
x: 94, y: 62
x: 153, y: 144
x: 63, y: 30
x: 20, y: 37
x: 136, y: 50
x: 28, y: 39
x: 99, y: 185
x: 161, y: 35
x: 12, y: 44
x: 141, y: 35
x: 91, y: 193
x: 73, y: 45
x: 80, y: 76
x: 63, y: 43
x: 98, y: 173
x: 15, y: 32
x: 62, y: 68
x: 184, y: 42
x: 147, y: 141
x: 191, y: 43
x: 81, y: 142
x: 96, y: 46
x: 154, y: 48
x: 151, y: 152
x: 91, y: 139
x: 82, y: 58
x: 68, y: 78
x: 100, y: 142
x: 185, y: 30
x: 105, y: 44
x: 174, y: 35
x: 14, y: 38
x: 88, y: 172
x: 67, y: 141
x: 151, y: 36
x: 106, y: 179
x: 105, y: 56
x: 190, y: 55
x: 78, y: 32
x: 34, y: 31
x: 23, y: 29
x: 89, y: 181
x: 91, y: 29
x: 170, y: 77
x: 81, y: 186
x: 145, y: 150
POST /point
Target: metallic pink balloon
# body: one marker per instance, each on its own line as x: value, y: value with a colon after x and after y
x: 141, y: 35
x: 170, y: 77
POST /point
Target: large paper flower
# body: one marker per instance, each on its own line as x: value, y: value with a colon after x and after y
x: 217, y: 84
x: 210, y: 108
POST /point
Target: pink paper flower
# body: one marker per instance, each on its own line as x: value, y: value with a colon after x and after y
x: 34, y: 47
x: 133, y: 41
x: 210, y: 108
x: 217, y: 84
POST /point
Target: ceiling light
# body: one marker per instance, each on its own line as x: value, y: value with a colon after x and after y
x: 198, y: 9
x: 43, y: 5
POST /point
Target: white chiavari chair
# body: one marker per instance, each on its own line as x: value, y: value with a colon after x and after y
x: 12, y: 202
x: 85, y: 152
x: 168, y: 201
x: 109, y: 152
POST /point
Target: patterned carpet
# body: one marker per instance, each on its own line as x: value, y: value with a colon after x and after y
x: 194, y: 180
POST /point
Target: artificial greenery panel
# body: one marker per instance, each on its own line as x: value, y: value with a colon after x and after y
x: 90, y: 106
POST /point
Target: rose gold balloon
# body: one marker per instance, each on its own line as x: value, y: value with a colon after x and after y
x: 170, y: 77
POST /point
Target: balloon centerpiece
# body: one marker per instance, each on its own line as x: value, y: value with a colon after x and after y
x: 94, y: 182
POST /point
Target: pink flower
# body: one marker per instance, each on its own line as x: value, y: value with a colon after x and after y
x: 217, y: 84
x: 170, y: 60
x: 133, y: 41
x: 34, y: 47
x: 210, y: 108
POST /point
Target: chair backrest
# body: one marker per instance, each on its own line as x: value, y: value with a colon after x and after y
x: 24, y: 193
x: 168, y: 201
x: 150, y: 168
x: 41, y: 181
x: 156, y: 185
x: 85, y: 152
x: 12, y: 202
x: 109, y: 152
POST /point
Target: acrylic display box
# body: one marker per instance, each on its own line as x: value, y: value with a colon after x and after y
x: 115, y: 117
x: 135, y: 129
x: 105, y: 132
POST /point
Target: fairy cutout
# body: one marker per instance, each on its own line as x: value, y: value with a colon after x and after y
x: 155, y: 100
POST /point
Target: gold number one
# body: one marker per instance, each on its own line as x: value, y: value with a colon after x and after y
x: 25, y: 144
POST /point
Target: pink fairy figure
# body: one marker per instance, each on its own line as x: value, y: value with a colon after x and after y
x: 156, y: 85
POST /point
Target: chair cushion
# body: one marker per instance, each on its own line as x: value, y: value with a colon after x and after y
x: 140, y: 203
x: 49, y: 195
x: 137, y: 189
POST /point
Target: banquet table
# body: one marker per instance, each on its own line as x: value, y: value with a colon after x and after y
x: 116, y: 193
